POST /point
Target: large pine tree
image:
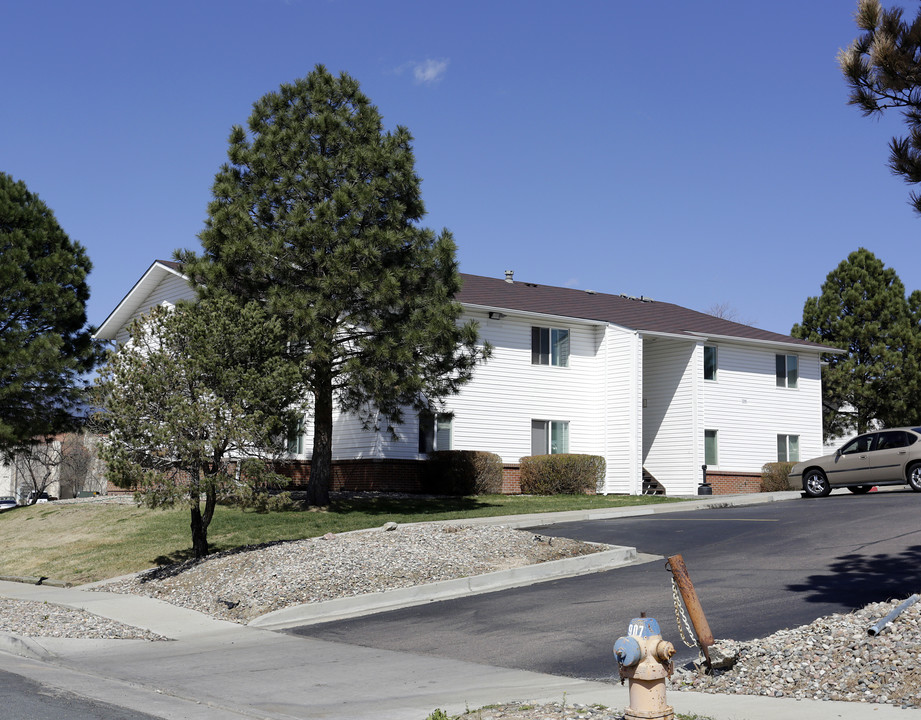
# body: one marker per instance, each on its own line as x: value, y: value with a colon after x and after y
x: 863, y: 311
x: 317, y: 216
x: 45, y: 343
x: 882, y: 67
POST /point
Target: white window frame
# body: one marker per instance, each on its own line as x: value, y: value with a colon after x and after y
x: 787, y: 451
x: 552, y: 356
x: 549, y: 426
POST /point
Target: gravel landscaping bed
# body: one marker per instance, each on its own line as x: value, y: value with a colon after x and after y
x: 244, y: 584
x: 43, y: 619
x: 833, y: 658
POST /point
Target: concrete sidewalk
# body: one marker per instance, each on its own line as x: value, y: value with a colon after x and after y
x: 212, y: 669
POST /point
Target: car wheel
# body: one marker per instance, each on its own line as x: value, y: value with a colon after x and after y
x: 860, y: 489
x: 816, y: 484
x: 914, y: 477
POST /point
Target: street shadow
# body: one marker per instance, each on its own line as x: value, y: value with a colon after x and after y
x: 856, y: 580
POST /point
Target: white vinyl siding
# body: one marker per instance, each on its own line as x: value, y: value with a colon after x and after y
x: 170, y: 290
x: 672, y: 429
x: 621, y: 405
x: 750, y: 411
x: 494, y: 411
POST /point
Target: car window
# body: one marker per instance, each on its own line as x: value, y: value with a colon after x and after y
x: 859, y: 444
x: 892, y: 439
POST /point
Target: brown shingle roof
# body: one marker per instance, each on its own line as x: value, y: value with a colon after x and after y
x: 171, y: 264
x: 633, y: 313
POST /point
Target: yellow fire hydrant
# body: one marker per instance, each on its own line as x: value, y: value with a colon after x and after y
x: 645, y: 660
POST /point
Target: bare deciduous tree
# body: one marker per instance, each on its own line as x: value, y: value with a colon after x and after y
x: 65, y: 460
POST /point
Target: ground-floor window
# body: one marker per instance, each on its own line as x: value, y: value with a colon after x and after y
x: 711, y: 448
x: 549, y: 437
x: 788, y: 448
x: 295, y: 439
x: 435, y: 431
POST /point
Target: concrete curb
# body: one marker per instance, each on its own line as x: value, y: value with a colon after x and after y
x: 36, y: 581
x: 24, y: 647
x: 312, y: 613
x: 554, y: 518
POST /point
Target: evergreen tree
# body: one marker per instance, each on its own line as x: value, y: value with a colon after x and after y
x: 883, y: 69
x: 195, y: 389
x: 863, y: 311
x: 317, y: 216
x: 45, y: 343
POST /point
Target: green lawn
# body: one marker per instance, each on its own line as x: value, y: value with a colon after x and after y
x: 88, y: 541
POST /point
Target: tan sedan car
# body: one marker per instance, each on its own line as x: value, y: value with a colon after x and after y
x: 884, y: 457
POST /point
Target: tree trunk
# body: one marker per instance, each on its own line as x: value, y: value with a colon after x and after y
x: 199, y: 532
x: 200, y: 522
x: 322, y: 459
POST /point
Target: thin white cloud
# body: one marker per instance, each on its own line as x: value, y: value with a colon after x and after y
x: 429, y: 72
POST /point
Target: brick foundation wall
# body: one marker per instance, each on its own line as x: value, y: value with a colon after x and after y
x: 511, y: 480
x: 726, y: 483
x: 369, y: 475
x: 407, y: 476
x: 362, y: 475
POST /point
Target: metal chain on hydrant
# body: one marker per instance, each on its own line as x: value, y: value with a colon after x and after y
x: 681, y: 619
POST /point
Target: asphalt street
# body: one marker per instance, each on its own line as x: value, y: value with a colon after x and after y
x: 756, y: 570
x: 26, y: 699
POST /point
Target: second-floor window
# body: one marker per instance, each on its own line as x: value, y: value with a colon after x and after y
x: 710, y: 358
x: 550, y: 346
x: 787, y: 370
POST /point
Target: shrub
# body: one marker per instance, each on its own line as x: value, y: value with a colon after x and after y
x: 463, y: 472
x: 774, y: 476
x: 561, y: 474
x: 263, y: 500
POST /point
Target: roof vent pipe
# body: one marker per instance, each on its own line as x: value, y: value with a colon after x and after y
x: 509, y: 276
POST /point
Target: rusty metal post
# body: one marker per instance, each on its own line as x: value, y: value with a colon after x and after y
x: 676, y: 566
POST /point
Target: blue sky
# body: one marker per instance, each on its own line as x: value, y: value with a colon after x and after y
x: 693, y: 152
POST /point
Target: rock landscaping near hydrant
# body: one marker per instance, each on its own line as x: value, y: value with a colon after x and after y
x: 832, y: 658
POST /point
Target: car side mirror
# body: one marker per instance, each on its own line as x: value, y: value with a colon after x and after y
x: 838, y: 453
